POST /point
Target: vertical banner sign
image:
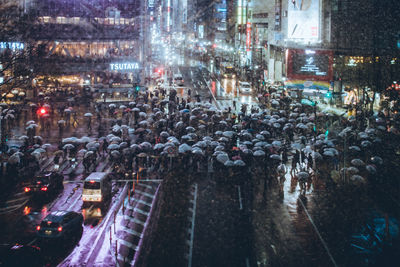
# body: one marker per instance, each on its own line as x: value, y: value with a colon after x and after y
x: 168, y: 15
x: 184, y: 15
x: 248, y: 36
x: 303, y: 19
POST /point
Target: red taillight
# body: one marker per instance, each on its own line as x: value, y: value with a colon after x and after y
x: 92, y: 182
x: 38, y: 227
x: 27, y: 189
x: 43, y: 188
x: 59, y: 228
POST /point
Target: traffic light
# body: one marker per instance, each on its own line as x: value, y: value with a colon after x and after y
x: 328, y: 95
x: 42, y: 111
x: 137, y: 88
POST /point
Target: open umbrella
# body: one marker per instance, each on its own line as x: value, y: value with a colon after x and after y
x: 357, y: 162
x: 259, y: 153
x: 303, y: 175
x: 222, y: 157
x: 113, y: 147
x: 239, y: 163
x: 229, y: 163
x: 88, y: 114
x: 115, y: 153
x: 184, y: 148
x: 357, y: 179
x: 371, y: 169
x: 275, y: 157
x: 68, y: 147
x: 377, y: 160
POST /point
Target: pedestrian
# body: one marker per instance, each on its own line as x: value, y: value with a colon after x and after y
x: 189, y: 92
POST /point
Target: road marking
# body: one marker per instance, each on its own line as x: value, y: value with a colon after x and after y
x: 319, y: 235
x: 12, y: 208
x: 141, y: 211
x: 135, y: 220
x: 192, y: 229
x: 16, y: 199
x: 131, y: 231
x: 127, y: 244
x: 240, y: 198
x: 144, y: 193
x: 142, y: 202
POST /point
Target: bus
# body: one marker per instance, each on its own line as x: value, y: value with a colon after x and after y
x: 228, y: 71
x: 96, y: 188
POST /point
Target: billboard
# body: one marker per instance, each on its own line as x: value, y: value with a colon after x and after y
x: 303, y: 19
x: 315, y: 65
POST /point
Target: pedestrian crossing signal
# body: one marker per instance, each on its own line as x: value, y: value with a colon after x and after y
x: 137, y: 88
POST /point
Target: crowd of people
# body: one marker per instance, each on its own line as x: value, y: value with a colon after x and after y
x: 160, y: 130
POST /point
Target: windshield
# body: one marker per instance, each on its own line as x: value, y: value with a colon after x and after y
x: 91, y: 185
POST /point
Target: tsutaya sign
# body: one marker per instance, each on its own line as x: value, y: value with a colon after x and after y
x: 125, y: 66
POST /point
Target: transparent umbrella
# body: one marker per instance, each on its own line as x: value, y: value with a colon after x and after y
x: 357, y: 162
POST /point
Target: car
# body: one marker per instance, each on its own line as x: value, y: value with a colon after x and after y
x: 60, y: 225
x: 20, y: 255
x: 45, y: 184
x: 244, y: 87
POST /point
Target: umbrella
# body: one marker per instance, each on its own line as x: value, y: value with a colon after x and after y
x: 122, y: 107
x: 352, y: 170
x: 259, y: 153
x: 142, y: 155
x: 115, y: 153
x: 296, y: 146
x: 265, y: 134
x: 68, y: 147
x: 377, y: 160
x: 39, y: 150
x: 37, y: 138
x: 197, y: 151
x: 164, y: 134
x: 69, y: 140
x: 316, y: 155
x: 112, y: 106
x: 357, y: 162
x: 366, y: 143
x: 113, y: 147
x: 127, y: 151
x: 85, y: 139
x: 357, y: 179
x: 222, y: 158
x: 82, y: 151
x: 61, y: 122
x: 23, y: 137
x: 371, y: 169
x: 90, y: 154
x: 239, y: 163
x: 116, y: 139
x: 190, y: 129
x: 355, y: 148
x: 276, y: 143
x: 303, y: 175
x: 46, y: 146
x: 31, y: 126
x: 229, y: 163
x: 223, y: 139
x: 158, y: 146
x: 88, y: 114
x: 260, y: 137
x: 219, y: 148
x: 30, y: 122
x: 328, y: 153
x: 14, y: 159
x: 228, y: 134
x: 275, y: 157
x: 184, y: 148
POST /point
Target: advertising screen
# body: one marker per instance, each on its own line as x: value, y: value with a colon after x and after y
x: 316, y: 64
x: 303, y: 19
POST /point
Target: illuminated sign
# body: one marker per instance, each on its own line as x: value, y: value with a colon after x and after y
x: 12, y: 45
x: 201, y: 31
x: 303, y: 19
x: 151, y: 3
x: 241, y: 12
x: 310, y: 64
x: 248, y: 36
x: 124, y: 66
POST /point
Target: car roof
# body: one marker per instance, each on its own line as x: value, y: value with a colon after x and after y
x: 96, y: 176
x: 56, y: 216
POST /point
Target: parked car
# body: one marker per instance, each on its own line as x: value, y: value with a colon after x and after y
x: 20, y: 256
x: 244, y: 87
x: 60, y: 225
x: 45, y: 184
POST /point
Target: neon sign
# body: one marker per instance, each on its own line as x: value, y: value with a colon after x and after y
x: 12, y: 45
x: 124, y: 66
x: 248, y: 36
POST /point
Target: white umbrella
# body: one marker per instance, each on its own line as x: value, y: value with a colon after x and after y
x: 88, y: 114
